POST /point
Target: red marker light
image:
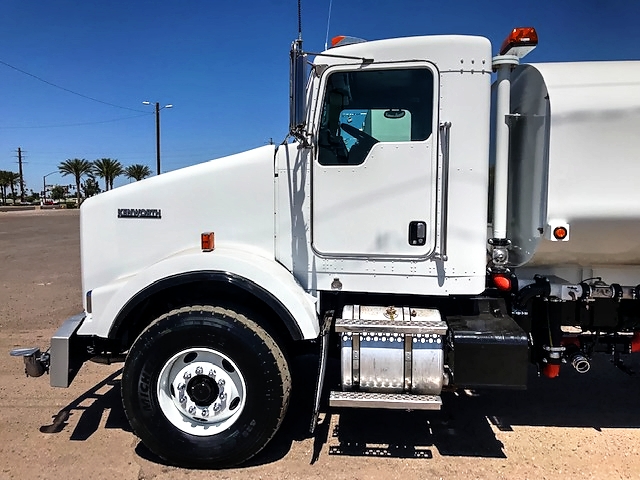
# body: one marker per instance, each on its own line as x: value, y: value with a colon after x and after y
x: 550, y: 370
x: 502, y: 283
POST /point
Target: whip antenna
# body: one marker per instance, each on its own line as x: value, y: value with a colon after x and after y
x: 326, y: 39
x: 299, y: 21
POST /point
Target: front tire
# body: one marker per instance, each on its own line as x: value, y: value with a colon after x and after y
x: 205, y: 386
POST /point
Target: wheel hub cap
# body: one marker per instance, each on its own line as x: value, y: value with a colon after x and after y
x: 203, y: 390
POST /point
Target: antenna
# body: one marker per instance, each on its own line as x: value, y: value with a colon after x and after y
x: 299, y: 20
x: 326, y: 39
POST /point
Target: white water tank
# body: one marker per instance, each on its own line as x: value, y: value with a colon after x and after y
x: 575, y: 162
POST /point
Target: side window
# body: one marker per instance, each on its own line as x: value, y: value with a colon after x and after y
x: 366, y: 107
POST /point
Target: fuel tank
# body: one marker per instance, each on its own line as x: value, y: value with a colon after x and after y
x: 574, y: 162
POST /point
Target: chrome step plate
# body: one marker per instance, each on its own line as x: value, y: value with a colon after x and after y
x: 404, y: 320
x: 396, y: 401
x: 406, y: 327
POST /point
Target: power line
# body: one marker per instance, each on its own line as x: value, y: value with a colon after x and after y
x: 81, y: 124
x: 66, y: 89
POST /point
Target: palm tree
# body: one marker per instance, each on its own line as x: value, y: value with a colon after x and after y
x: 14, y: 180
x: 78, y: 167
x: 137, y: 171
x: 5, y: 181
x: 108, y: 169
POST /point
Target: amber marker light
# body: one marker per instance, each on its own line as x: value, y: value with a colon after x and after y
x: 520, y: 42
x: 207, y: 241
x: 560, y: 233
x: 336, y: 40
x: 341, y: 40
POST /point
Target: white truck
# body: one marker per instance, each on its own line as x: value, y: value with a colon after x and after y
x: 431, y: 236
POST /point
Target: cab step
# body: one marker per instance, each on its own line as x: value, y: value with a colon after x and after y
x: 395, y: 401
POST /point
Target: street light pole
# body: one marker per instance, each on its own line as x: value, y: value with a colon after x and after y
x: 158, y: 138
x: 44, y: 186
x: 158, y: 108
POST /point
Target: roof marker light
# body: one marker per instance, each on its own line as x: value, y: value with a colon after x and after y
x: 520, y: 42
x: 342, y: 40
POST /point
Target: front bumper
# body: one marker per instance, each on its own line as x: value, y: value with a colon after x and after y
x: 67, y: 352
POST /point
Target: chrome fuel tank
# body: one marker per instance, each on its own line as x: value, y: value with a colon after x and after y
x: 391, y: 350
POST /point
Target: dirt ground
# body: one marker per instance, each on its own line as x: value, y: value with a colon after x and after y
x: 573, y: 427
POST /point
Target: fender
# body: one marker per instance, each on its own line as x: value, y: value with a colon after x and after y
x: 261, y: 276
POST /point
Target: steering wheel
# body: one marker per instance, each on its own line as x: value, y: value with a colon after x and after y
x: 358, y: 134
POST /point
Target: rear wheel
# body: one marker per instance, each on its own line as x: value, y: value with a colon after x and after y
x: 205, y: 386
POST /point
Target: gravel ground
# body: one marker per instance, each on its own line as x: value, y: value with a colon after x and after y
x: 572, y: 427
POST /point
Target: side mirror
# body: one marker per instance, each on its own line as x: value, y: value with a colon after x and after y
x: 297, y: 84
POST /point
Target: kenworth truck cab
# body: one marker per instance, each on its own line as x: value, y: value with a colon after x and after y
x: 433, y: 231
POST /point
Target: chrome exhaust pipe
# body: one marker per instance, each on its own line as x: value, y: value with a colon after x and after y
x: 580, y: 362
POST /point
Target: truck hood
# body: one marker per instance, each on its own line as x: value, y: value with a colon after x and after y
x: 130, y: 228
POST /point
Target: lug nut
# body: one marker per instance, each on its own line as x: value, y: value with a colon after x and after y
x: 205, y: 412
x: 212, y: 373
x: 192, y: 409
x: 221, y: 382
x: 216, y: 407
x: 181, y: 386
x: 198, y: 370
x: 223, y: 396
x: 186, y: 375
x: 183, y: 399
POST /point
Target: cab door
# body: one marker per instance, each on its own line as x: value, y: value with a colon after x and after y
x: 375, y: 168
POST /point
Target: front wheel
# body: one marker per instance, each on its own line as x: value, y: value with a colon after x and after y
x: 205, y: 386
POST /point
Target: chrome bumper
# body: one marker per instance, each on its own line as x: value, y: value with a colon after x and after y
x: 66, y: 359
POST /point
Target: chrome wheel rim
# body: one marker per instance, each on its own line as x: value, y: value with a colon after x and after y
x: 201, y: 391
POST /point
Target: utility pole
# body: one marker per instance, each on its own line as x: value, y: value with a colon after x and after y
x: 157, y: 110
x: 21, y: 177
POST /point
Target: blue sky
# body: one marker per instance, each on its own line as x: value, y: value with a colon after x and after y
x: 224, y: 67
